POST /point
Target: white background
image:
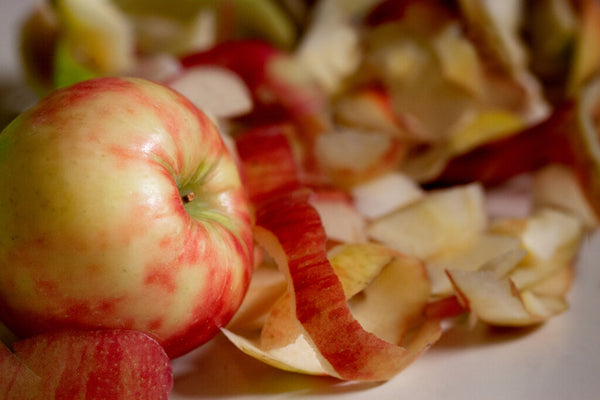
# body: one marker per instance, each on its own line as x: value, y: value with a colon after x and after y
x: 559, y: 360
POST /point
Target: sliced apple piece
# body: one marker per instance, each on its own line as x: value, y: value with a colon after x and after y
x: 216, y: 90
x: 557, y: 186
x: 495, y: 300
x: 385, y: 193
x: 585, y: 62
x: 357, y: 265
x: 98, y: 364
x: 393, y: 303
x: 471, y: 256
x: 351, y: 156
x: 459, y: 59
x: 495, y: 26
x: 99, y: 33
x: 299, y: 356
x: 330, y: 47
x: 369, y: 108
x: 442, y: 219
x: 340, y: 218
x: 552, y: 239
x: 557, y: 284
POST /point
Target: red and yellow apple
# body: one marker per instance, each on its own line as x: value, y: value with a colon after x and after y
x: 121, y: 208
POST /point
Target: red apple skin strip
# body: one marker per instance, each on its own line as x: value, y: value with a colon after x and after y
x: 97, y: 365
x: 268, y: 162
x: 318, y: 297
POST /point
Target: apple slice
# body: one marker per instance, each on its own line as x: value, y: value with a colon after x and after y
x: 385, y: 193
x: 330, y: 47
x: 368, y: 108
x: 442, y: 219
x: 351, y: 156
x: 459, y: 59
x: 557, y: 284
x: 98, y: 364
x: 392, y: 305
x: 585, y: 63
x: 99, y: 33
x: 495, y: 300
x: 215, y: 90
x: 494, y: 25
x: 474, y: 254
x: 17, y: 381
x: 552, y: 239
x: 340, y: 218
x: 557, y: 186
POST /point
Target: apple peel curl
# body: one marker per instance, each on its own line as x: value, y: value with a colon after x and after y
x: 289, y: 228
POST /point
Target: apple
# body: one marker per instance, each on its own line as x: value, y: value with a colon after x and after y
x: 104, y: 364
x: 121, y: 208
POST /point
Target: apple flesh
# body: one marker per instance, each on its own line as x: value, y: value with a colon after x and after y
x: 121, y: 208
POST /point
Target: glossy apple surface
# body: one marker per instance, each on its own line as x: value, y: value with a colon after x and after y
x: 105, y: 364
x: 121, y: 208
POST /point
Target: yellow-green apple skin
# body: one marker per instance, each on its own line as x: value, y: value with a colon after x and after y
x: 121, y: 207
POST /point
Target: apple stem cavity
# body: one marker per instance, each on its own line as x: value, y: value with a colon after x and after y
x: 188, y: 197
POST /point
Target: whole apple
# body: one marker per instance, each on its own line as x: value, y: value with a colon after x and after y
x: 121, y: 207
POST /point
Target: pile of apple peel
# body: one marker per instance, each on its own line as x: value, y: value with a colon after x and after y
x: 422, y: 260
x: 375, y: 182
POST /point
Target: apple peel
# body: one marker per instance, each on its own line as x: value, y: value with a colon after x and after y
x: 290, y: 230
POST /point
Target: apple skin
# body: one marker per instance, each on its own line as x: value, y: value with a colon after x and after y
x: 96, y: 232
